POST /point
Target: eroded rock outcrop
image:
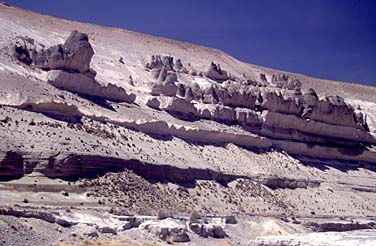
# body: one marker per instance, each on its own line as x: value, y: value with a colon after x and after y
x: 54, y: 108
x: 74, y: 55
x: 42, y: 215
x: 208, y: 227
x: 274, y: 101
x: 332, y: 109
x: 340, y: 226
x: 23, y: 49
x: 286, y: 122
x: 86, y: 85
x: 68, y: 66
x: 11, y: 164
x: 164, y: 88
x: 215, y: 73
x: 285, y: 81
x: 276, y: 113
x: 181, y: 107
x: 167, y: 229
x: 162, y: 69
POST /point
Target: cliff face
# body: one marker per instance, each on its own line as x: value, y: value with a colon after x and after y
x: 79, y: 100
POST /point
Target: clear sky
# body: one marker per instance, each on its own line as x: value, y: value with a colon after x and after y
x: 332, y: 39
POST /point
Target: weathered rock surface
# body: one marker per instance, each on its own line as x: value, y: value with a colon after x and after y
x: 11, y: 164
x: 245, y: 141
x: 210, y: 229
x: 317, y: 128
x: 85, y: 85
x: 340, y: 226
x: 284, y: 81
x: 53, y: 108
x: 74, y: 55
x: 167, y: 229
x: 43, y: 215
x: 164, y: 88
x: 215, y: 72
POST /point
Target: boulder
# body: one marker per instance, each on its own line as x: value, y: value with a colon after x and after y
x: 74, y: 55
x: 131, y: 222
x: 188, y: 95
x: 179, y: 106
x: 167, y: 230
x: 285, y: 81
x: 162, y: 75
x: 155, y: 62
x: 208, y: 230
x: 93, y: 234
x: 310, y: 98
x: 11, y: 164
x: 130, y: 80
x: 263, y: 78
x: 230, y: 219
x: 107, y: 230
x: 178, y: 65
x: 181, y: 90
x: 158, y: 61
x: 197, y: 92
x: 23, y: 49
x: 171, y: 77
x: 168, y: 62
x: 164, y: 88
x: 215, y: 73
x: 210, y: 96
x: 153, y: 103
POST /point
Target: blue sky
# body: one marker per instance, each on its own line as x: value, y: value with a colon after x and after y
x: 332, y: 39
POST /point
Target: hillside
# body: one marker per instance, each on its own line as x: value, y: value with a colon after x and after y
x: 113, y: 135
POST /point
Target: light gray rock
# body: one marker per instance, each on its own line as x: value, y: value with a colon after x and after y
x: 153, y: 103
x: 208, y: 230
x: 181, y: 90
x: 171, y: 77
x: 11, y: 164
x: 230, y: 219
x: 93, y: 234
x: 74, y: 55
x: 158, y: 61
x: 163, y: 88
x: 188, y: 95
x: 107, y: 230
x: 82, y: 84
x: 215, y: 73
x: 131, y: 222
x: 167, y: 229
x: 210, y: 96
x: 275, y: 102
x: 197, y: 92
x: 179, y: 106
x: 179, y: 65
x: 23, y: 49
